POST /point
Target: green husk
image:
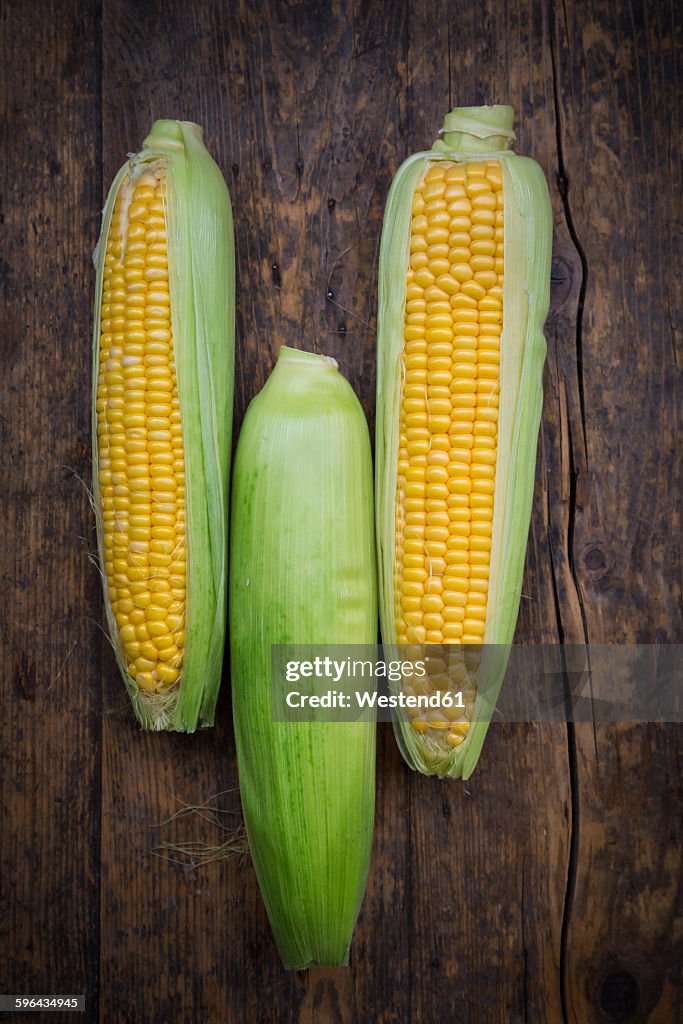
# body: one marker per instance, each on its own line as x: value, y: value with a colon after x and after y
x: 471, y: 133
x: 202, y: 289
x: 303, y: 571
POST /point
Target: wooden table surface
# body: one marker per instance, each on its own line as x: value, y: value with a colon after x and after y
x: 547, y: 888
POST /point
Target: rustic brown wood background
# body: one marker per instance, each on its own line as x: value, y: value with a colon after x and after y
x: 547, y: 888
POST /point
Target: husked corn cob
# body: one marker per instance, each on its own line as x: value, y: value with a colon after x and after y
x: 163, y: 346
x: 464, y: 290
x: 446, y: 472
x: 303, y: 572
x: 140, y: 442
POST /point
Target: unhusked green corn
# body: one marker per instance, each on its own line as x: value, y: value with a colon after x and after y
x: 162, y: 413
x: 463, y: 295
x: 303, y: 572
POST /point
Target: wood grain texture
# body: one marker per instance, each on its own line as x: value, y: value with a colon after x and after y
x: 49, y: 644
x: 624, y: 949
x: 547, y: 887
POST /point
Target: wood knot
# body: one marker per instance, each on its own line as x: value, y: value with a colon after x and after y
x: 561, y: 280
x: 619, y: 996
x: 596, y: 561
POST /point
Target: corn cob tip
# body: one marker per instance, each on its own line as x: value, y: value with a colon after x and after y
x: 302, y: 358
x: 169, y: 134
x: 477, y: 129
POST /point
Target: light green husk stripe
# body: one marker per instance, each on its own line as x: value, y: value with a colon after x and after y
x: 303, y: 571
x: 201, y: 265
x: 471, y: 133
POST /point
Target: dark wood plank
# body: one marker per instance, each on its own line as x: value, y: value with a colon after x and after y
x: 489, y: 858
x: 488, y: 864
x: 616, y: 91
x: 314, y: 132
x: 49, y: 640
x: 165, y: 924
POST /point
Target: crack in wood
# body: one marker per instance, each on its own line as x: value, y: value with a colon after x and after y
x: 569, y: 475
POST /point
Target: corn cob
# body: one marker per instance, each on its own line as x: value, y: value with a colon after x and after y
x: 303, y: 572
x: 162, y: 412
x: 463, y: 295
